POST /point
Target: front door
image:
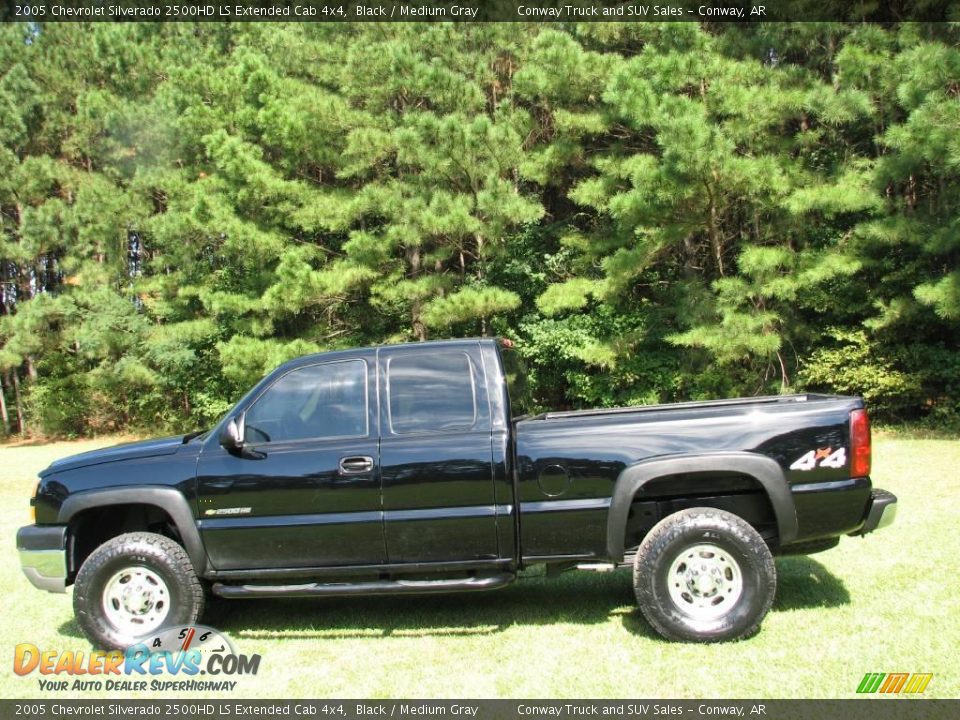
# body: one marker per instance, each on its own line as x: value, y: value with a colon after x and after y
x: 306, y: 491
x: 435, y: 455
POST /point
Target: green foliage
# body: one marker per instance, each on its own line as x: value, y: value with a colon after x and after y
x: 656, y: 212
x: 757, y: 310
x: 852, y: 365
x: 62, y: 404
x: 470, y: 303
x: 572, y: 294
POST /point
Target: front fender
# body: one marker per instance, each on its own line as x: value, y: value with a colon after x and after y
x: 168, y: 499
x: 764, y: 470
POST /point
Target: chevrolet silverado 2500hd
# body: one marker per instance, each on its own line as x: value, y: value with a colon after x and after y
x: 402, y: 469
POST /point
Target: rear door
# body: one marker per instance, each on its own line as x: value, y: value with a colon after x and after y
x: 435, y: 455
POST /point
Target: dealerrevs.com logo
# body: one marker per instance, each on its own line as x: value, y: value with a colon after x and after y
x: 174, y: 660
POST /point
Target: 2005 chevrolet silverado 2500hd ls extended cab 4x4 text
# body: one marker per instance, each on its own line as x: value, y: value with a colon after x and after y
x: 401, y: 469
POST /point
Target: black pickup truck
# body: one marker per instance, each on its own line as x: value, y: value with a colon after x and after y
x: 402, y: 469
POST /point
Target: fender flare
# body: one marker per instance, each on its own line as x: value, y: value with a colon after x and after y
x: 168, y: 499
x: 763, y: 469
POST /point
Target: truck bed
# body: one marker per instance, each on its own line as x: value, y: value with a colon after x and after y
x: 568, y: 462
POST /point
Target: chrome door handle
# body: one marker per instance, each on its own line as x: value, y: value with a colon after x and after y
x: 356, y: 464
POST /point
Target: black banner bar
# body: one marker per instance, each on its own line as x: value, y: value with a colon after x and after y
x: 859, y: 709
x: 480, y: 11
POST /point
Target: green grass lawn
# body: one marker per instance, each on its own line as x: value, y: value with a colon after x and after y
x: 886, y: 603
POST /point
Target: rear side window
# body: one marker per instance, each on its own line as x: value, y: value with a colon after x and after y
x: 515, y: 373
x: 431, y: 393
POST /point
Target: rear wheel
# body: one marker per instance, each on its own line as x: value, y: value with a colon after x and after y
x: 704, y: 575
x: 132, y: 586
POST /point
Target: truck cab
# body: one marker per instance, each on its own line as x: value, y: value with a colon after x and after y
x: 378, y: 457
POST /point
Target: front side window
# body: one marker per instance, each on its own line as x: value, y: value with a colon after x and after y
x: 317, y: 401
x: 431, y: 393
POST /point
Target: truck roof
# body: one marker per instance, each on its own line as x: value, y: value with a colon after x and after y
x: 333, y: 354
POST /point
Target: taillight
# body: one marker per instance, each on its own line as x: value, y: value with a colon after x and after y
x: 33, y: 503
x: 859, y: 443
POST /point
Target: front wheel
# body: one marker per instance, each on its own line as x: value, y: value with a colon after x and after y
x: 132, y: 586
x: 704, y: 575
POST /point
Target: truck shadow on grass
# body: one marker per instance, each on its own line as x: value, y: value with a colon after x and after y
x: 575, y: 597
x: 802, y: 583
x: 581, y: 598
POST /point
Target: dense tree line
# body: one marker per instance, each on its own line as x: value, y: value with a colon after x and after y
x: 654, y: 212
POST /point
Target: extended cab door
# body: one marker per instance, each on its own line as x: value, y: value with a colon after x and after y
x: 306, y: 490
x: 435, y: 455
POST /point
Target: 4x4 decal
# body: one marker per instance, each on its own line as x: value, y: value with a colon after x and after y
x: 826, y: 457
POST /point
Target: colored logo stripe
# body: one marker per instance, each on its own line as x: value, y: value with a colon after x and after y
x: 894, y: 682
x: 918, y: 682
x: 870, y: 682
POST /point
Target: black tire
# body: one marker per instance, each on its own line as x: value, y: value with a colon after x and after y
x: 734, y: 557
x: 157, y: 554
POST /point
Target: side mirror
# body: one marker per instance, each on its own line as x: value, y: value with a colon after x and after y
x: 231, y: 437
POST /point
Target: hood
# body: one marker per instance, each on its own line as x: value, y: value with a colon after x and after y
x: 125, y: 451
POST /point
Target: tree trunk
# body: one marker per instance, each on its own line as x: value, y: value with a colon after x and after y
x: 689, y: 258
x: 419, y: 329
x: 713, y: 231
x: 5, y: 308
x: 784, y: 378
x: 21, y: 427
x: 416, y: 307
x: 4, y: 417
x: 481, y: 270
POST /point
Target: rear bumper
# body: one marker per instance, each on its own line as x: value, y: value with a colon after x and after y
x: 43, y: 556
x: 881, y: 512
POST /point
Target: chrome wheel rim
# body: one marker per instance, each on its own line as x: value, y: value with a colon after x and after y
x: 705, y: 582
x: 136, y: 600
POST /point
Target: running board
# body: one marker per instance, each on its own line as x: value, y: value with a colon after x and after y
x: 376, y: 587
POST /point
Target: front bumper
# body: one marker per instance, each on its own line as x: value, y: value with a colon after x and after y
x: 43, y: 556
x: 881, y: 512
